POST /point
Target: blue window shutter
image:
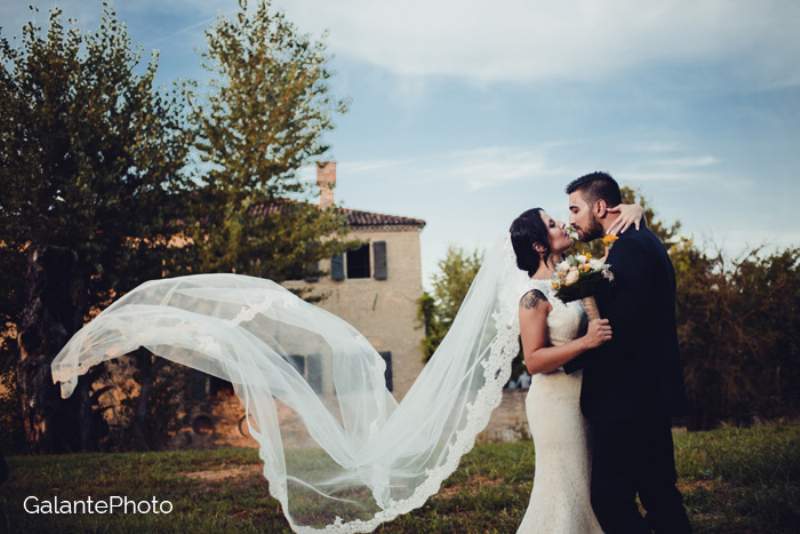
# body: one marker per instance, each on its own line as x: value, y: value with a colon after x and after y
x: 337, y: 267
x: 379, y: 253
x: 314, y: 372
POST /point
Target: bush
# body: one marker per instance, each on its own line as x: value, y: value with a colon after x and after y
x: 739, y: 332
x: 12, y: 438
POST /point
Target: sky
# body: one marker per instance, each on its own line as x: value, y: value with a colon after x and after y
x: 466, y: 113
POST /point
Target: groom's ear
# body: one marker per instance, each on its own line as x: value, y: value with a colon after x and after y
x: 600, y: 208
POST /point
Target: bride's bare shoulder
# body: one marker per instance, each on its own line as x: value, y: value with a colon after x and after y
x: 533, y: 299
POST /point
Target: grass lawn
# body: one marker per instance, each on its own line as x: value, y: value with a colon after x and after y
x: 733, y: 480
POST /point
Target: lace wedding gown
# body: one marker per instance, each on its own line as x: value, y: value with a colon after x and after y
x: 560, y: 500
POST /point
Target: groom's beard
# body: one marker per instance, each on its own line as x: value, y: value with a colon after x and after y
x: 595, y: 231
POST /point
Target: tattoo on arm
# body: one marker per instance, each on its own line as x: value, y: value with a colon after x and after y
x: 532, y: 298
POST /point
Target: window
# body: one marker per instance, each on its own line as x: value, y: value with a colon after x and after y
x: 358, y: 262
x: 387, y: 357
x: 310, y: 368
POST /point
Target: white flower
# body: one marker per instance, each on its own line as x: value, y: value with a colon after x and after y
x: 572, y: 232
x: 581, y: 258
x: 596, y: 264
x: 572, y: 276
x: 563, y: 266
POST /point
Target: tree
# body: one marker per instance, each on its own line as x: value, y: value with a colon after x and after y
x: 450, y: 285
x: 264, y: 118
x: 738, y: 329
x: 97, y: 196
x: 90, y: 162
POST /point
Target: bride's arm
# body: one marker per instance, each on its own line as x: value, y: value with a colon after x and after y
x: 539, y: 355
x: 630, y: 214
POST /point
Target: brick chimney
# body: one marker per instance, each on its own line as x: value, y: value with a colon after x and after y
x: 326, y: 180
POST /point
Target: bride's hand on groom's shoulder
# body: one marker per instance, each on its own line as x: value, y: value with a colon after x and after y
x: 598, y: 332
x: 630, y: 214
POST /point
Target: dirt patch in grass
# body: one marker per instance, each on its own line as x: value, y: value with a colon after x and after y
x: 471, y: 486
x: 216, y: 475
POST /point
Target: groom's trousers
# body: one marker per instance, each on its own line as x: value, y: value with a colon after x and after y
x: 635, y: 457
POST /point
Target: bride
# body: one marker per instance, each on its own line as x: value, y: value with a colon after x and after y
x: 549, y: 332
x: 340, y: 453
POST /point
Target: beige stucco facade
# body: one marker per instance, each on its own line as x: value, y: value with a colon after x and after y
x: 384, y: 311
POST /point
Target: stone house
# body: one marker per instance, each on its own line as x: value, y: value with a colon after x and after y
x: 374, y: 287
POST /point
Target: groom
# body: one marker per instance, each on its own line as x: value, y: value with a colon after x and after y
x: 632, y: 385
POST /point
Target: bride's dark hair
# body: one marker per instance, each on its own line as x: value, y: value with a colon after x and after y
x: 527, y: 229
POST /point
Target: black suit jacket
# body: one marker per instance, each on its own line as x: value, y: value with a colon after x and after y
x: 638, y: 372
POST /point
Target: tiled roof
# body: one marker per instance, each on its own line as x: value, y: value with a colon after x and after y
x: 370, y: 218
x: 354, y: 217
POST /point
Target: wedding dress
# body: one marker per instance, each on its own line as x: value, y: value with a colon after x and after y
x: 560, y: 499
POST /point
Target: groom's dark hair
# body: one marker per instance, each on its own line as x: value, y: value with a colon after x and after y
x: 596, y: 186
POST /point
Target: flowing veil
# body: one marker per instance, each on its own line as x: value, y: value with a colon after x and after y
x: 339, y: 452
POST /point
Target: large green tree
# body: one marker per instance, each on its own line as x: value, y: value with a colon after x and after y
x: 264, y: 117
x: 90, y: 165
x: 101, y: 172
x: 450, y: 284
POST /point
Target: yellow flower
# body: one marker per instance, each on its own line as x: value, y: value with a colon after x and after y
x: 588, y: 256
x: 609, y: 239
x: 586, y: 267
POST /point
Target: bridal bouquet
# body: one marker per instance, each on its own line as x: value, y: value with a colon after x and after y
x: 578, y: 277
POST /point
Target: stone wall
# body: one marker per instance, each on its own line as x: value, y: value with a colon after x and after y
x: 384, y: 311
x: 508, y: 422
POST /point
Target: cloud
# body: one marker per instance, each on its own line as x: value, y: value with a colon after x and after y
x: 369, y: 166
x: 524, y: 41
x: 658, y: 147
x: 737, y: 242
x: 645, y: 174
x: 482, y: 168
x: 474, y: 168
x: 659, y: 160
x: 694, y: 161
x: 521, y: 40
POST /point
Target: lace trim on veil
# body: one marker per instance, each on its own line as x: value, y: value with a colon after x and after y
x: 497, y: 371
x: 502, y: 348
